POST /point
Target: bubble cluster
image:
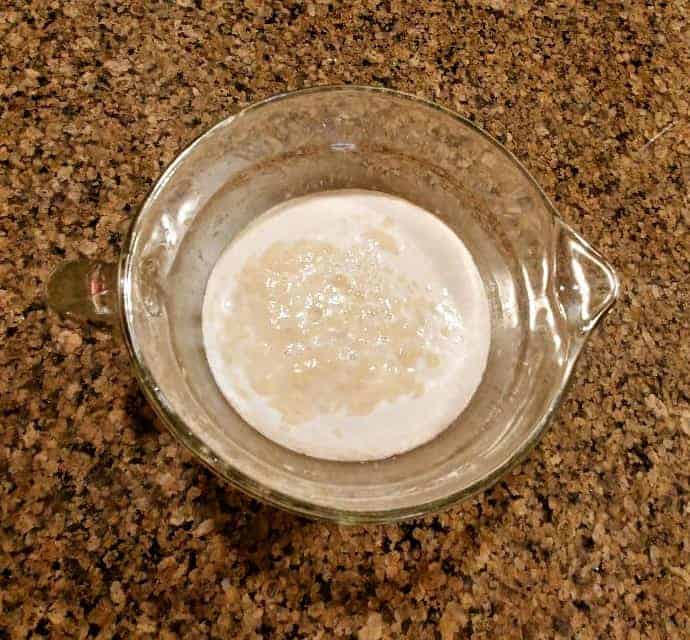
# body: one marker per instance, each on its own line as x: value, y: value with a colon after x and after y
x: 320, y: 329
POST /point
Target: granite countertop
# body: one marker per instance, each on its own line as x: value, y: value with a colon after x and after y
x: 110, y: 530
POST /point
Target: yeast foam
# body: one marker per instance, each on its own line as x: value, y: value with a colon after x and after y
x: 347, y: 325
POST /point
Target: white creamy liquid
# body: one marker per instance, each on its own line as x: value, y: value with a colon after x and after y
x: 347, y: 325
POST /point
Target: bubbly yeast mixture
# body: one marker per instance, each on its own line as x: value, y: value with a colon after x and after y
x: 347, y: 325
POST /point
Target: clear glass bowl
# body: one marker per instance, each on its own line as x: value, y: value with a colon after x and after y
x: 546, y: 286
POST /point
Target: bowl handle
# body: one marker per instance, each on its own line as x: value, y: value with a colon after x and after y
x: 86, y: 290
x: 586, y: 285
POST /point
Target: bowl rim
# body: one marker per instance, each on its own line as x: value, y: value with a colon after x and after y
x: 249, y: 485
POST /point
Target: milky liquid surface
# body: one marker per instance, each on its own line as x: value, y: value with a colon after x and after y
x: 347, y: 325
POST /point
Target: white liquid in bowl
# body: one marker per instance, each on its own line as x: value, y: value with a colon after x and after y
x: 347, y: 325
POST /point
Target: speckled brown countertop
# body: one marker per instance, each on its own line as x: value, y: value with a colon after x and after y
x: 109, y: 530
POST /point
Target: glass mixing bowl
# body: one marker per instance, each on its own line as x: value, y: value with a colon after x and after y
x: 546, y: 286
